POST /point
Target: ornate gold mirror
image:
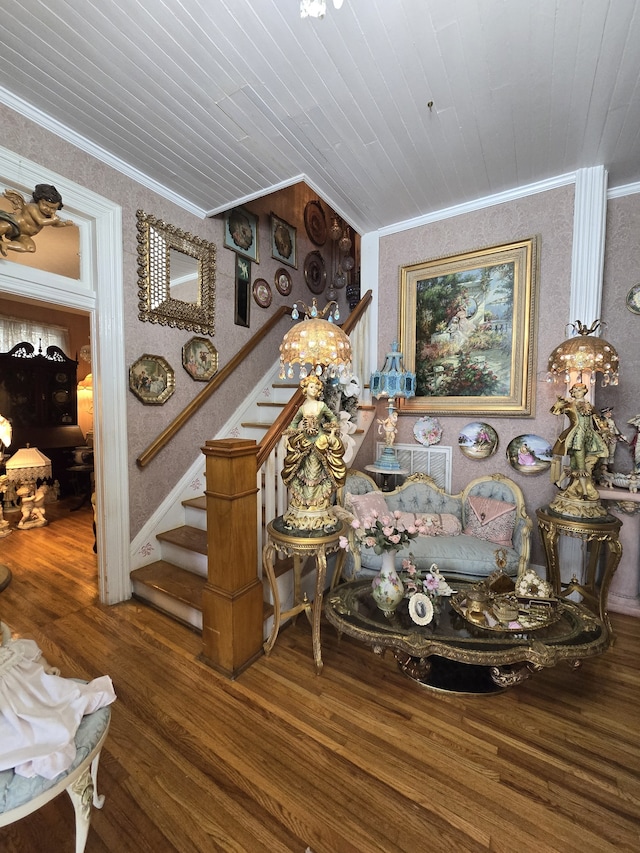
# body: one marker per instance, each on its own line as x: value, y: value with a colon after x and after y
x: 176, y: 276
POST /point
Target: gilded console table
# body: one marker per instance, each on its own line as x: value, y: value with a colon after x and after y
x: 300, y: 545
x: 596, y: 532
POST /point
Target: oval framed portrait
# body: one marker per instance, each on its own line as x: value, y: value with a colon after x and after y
x: 529, y: 454
x: 282, y: 281
x: 315, y: 273
x: 478, y: 440
x: 421, y: 608
x: 262, y: 293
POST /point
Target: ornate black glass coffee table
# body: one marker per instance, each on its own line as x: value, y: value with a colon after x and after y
x: 452, y: 653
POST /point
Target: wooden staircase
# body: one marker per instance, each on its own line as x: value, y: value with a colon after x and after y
x: 174, y: 583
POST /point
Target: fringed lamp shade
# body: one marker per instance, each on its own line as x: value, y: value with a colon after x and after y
x: 319, y: 346
x: 28, y: 465
x: 584, y: 354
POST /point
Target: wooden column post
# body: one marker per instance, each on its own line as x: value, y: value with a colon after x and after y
x: 232, y: 608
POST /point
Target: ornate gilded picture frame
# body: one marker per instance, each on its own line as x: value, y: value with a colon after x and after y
x: 176, y: 277
x: 151, y: 379
x: 200, y: 359
x: 467, y: 329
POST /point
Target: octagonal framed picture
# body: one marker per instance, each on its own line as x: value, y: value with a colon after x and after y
x: 152, y: 379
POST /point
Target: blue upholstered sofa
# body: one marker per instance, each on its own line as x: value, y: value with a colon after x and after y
x: 483, y: 528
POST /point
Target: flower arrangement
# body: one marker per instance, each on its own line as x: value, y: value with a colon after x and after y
x: 384, y: 532
x: 430, y: 582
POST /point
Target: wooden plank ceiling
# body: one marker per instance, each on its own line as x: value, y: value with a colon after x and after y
x: 221, y: 101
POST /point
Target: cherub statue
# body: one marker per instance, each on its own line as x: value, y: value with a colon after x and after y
x: 389, y: 428
x: 17, y: 229
x: 32, y: 506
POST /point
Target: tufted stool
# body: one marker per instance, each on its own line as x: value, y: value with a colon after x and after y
x: 20, y: 796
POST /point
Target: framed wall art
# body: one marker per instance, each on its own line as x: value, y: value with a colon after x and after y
x: 151, y: 379
x: 243, y: 284
x: 241, y: 233
x: 200, y: 359
x: 467, y: 329
x: 283, y: 242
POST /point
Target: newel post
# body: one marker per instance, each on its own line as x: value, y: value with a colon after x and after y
x: 232, y: 609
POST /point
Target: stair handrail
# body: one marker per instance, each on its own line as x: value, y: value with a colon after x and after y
x: 210, y: 388
x: 274, y: 433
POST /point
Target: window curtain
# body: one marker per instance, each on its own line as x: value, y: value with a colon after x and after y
x: 14, y: 330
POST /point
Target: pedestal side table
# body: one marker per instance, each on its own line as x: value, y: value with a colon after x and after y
x: 596, y: 532
x: 300, y: 545
x: 386, y: 473
x: 624, y: 592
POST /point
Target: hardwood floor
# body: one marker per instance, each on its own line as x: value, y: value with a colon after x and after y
x: 357, y: 760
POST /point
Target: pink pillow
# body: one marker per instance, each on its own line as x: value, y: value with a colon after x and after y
x: 490, y: 520
x: 365, y: 505
x: 440, y: 524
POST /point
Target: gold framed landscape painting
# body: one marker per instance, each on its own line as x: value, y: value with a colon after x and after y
x: 467, y: 329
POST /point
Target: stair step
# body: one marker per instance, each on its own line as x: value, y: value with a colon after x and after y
x: 171, y: 590
x: 197, y: 503
x: 187, y: 537
x: 270, y: 403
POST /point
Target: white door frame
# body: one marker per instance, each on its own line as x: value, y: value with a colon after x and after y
x: 98, y: 292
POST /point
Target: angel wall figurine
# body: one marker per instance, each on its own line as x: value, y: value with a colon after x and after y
x: 17, y: 229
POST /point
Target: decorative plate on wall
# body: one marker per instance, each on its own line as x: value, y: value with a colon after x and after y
x: 427, y: 431
x: 315, y: 273
x: 282, y: 281
x: 262, y: 293
x: 315, y: 223
x: 633, y: 299
x: 529, y: 454
x: 478, y: 440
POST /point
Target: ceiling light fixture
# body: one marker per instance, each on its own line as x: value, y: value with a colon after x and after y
x: 316, y: 8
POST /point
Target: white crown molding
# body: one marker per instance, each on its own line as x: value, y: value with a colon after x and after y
x: 480, y: 203
x: 54, y: 126
x: 620, y: 192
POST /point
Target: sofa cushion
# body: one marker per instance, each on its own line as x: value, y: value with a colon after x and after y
x: 490, y: 520
x: 440, y: 524
x: 366, y: 506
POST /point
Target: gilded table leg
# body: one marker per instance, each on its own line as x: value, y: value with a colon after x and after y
x: 321, y: 561
x: 268, y: 554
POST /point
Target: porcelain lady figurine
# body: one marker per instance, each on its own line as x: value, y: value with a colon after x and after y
x: 314, y: 463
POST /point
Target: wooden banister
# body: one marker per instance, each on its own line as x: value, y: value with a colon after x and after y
x: 210, y: 388
x: 272, y: 436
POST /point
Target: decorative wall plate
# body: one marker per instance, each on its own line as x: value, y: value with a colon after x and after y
x: 262, y: 293
x: 315, y: 273
x: 151, y: 379
x: 200, y: 359
x: 529, y: 454
x: 315, y: 223
x: 282, y: 281
x: 427, y: 431
x: 478, y: 440
x: 633, y: 299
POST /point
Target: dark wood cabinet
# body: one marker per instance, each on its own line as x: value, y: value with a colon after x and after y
x: 38, y: 389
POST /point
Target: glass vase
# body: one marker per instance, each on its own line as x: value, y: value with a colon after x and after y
x: 386, y: 588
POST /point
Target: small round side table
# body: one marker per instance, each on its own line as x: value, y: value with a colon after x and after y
x: 300, y: 545
x: 596, y: 532
x: 386, y: 473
